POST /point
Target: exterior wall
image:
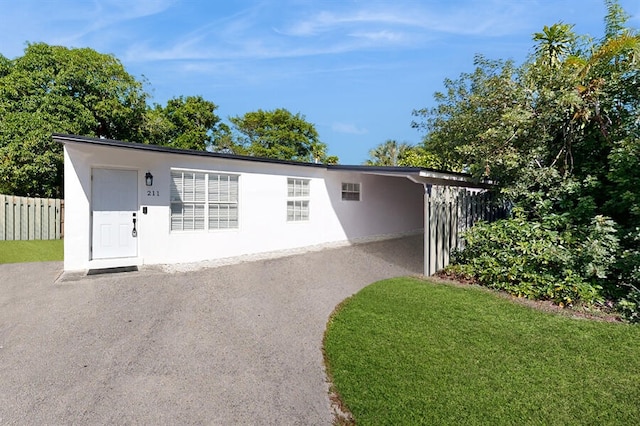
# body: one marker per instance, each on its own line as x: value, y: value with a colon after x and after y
x: 77, y: 189
x: 389, y: 206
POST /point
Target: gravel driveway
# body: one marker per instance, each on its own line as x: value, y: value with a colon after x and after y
x: 237, y: 344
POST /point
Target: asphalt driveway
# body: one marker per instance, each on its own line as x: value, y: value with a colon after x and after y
x: 237, y: 344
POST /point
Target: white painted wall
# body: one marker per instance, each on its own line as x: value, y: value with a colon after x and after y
x: 389, y: 206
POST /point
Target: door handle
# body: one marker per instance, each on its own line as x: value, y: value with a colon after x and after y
x: 134, y: 233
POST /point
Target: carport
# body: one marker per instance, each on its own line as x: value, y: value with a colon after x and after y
x: 452, y: 203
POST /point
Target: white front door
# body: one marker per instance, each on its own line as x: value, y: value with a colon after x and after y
x: 114, y: 204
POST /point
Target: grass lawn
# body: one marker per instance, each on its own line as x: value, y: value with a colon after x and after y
x: 408, y: 351
x: 31, y: 251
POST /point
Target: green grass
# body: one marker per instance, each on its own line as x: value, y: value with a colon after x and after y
x: 31, y: 251
x: 408, y: 351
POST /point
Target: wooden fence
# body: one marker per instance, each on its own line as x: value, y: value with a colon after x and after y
x: 448, y: 213
x: 26, y: 218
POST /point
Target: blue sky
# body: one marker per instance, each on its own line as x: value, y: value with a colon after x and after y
x: 356, y: 69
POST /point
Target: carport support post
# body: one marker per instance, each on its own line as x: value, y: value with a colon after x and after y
x: 427, y: 230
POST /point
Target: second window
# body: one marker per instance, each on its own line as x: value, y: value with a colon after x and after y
x: 297, y: 200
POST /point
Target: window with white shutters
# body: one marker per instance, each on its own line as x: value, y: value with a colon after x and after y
x: 223, y: 201
x: 202, y: 201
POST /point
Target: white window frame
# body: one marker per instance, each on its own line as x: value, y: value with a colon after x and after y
x: 227, y: 201
x: 196, y: 203
x: 298, y: 199
x: 351, y: 191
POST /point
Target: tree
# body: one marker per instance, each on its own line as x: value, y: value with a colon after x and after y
x: 462, y: 131
x: 277, y: 134
x: 562, y: 113
x: 554, y: 43
x: 5, y: 66
x: 187, y: 123
x: 55, y: 89
x: 387, y: 153
x: 391, y: 153
x: 560, y: 136
x: 417, y: 156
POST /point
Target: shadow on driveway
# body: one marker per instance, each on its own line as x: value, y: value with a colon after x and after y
x: 237, y: 344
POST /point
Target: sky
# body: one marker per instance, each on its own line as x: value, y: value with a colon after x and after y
x: 355, y: 69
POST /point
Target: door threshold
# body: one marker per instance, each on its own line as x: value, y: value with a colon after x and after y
x: 115, y: 270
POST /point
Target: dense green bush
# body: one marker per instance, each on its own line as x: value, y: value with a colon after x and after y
x: 629, y: 278
x: 559, y: 136
x: 536, y: 260
x: 629, y: 306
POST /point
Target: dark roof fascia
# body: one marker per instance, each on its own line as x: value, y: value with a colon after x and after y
x: 62, y: 138
x: 381, y: 169
x: 394, y: 169
x: 388, y: 170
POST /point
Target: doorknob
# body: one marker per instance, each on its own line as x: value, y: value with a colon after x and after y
x: 134, y: 233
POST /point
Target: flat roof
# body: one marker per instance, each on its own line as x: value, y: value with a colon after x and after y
x: 417, y: 174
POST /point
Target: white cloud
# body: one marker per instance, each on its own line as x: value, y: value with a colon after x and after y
x: 328, y: 21
x: 264, y: 31
x: 69, y: 22
x: 476, y: 17
x: 381, y: 36
x: 247, y: 35
x: 113, y: 12
x: 261, y: 31
x: 348, y: 128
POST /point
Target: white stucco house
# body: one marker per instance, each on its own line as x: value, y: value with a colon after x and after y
x: 130, y: 204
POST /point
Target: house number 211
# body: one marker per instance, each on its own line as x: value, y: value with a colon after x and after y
x: 153, y: 193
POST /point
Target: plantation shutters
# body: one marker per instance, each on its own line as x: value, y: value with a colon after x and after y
x: 202, y: 201
x: 223, y: 201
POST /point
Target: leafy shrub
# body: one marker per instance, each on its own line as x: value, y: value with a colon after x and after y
x: 543, y: 259
x: 629, y: 306
x: 623, y: 201
x: 543, y: 192
x: 629, y: 278
x: 596, y: 250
